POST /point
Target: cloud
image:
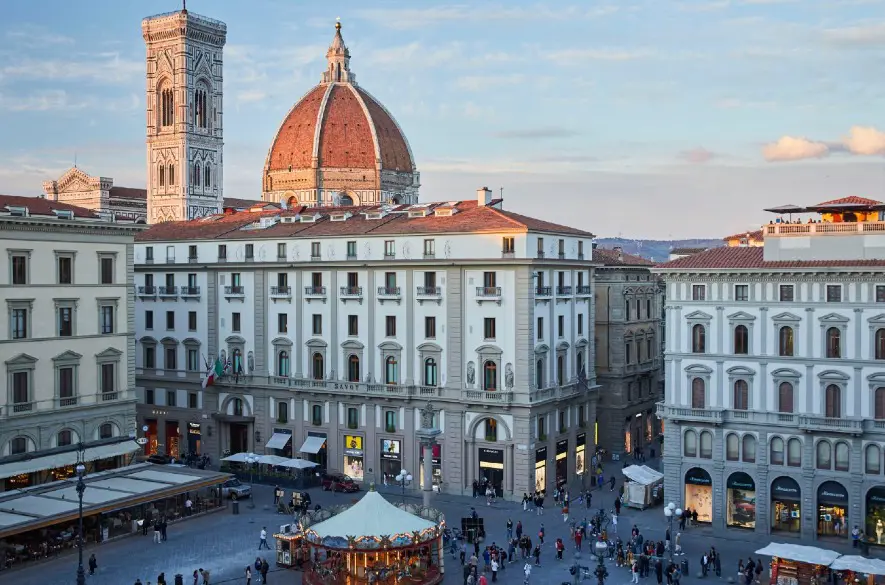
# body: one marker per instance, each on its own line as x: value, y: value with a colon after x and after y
x: 107, y: 68
x: 250, y: 96
x: 793, y: 148
x: 58, y: 100
x: 865, y: 140
x: 487, y: 82
x: 862, y: 35
x: 409, y: 19
x: 568, y: 57
x: 861, y: 141
x: 697, y: 155
x: 536, y: 133
x: 29, y: 35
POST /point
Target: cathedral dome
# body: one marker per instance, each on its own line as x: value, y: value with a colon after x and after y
x: 338, y: 140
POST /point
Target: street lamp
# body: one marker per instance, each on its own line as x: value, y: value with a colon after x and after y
x: 81, y: 487
x: 251, y: 460
x: 601, y: 572
x: 403, y: 478
x: 671, y: 512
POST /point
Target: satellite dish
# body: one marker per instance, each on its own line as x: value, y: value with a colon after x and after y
x: 141, y: 441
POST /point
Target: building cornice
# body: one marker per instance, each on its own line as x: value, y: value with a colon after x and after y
x: 361, y: 264
x: 32, y: 224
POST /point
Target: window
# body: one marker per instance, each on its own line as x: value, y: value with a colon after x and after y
x: 107, y: 319
x: 879, y: 403
x: 580, y: 255
x: 222, y: 251
x: 430, y: 378
x: 353, y: 369
x: 192, y: 321
x: 560, y: 325
x: 628, y: 353
x: 706, y: 445
x: 171, y: 174
x: 741, y: 395
x: 879, y: 343
x: 193, y: 360
x: 191, y: 252
x: 698, y: 339
x: 539, y: 373
x: 794, y: 453
x: 561, y: 248
x: 148, y: 319
x: 748, y: 449
x: 834, y: 293
x: 430, y: 282
x: 150, y: 356
x: 317, y: 324
x: 880, y: 293
x: 351, y: 249
x: 508, y: 245
x: 316, y: 415
x: 353, y: 325
x: 540, y: 247
x: 318, y: 370
x: 65, y: 321
x: 580, y: 324
x: 690, y: 444
x: 149, y: 396
x: 491, y: 428
x: 698, y: 393
x: 785, y: 341
x: 649, y: 348
x: 581, y: 416
x: 235, y: 322
x: 107, y: 269
x: 316, y: 282
x: 283, y: 363
x: 777, y: 451
x: 315, y: 250
x: 65, y: 270
x: 560, y: 369
x: 390, y: 326
x: 490, y: 376
x: 21, y: 387
x: 429, y: 248
x: 698, y: 292
x: 20, y: 268
x: 20, y: 323
x: 170, y: 320
x: 732, y: 447
x: 390, y: 421
x: 389, y: 248
x: 540, y: 328
x: 391, y: 370
x: 648, y: 308
x: 741, y: 340
x: 236, y: 282
x: 489, y: 279
x: 561, y: 422
x: 108, y: 378
x: 824, y: 455
x: 872, y: 459
x: 162, y: 175
x: 843, y: 454
x: 250, y: 251
x: 282, y: 412
x: 430, y: 327
x: 580, y: 364
x: 170, y: 355
x: 170, y: 398
x: 833, y: 401
x: 282, y: 323
x: 390, y: 282
x: 488, y: 328
x: 785, y: 397
x: 785, y: 293
x: 834, y: 342
x: 66, y: 387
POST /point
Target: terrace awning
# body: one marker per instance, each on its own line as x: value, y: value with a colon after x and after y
x: 67, y: 458
x: 313, y: 445
x: 278, y: 441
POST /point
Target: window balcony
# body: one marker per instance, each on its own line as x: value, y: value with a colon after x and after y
x: 281, y: 292
x: 192, y: 259
x: 189, y: 292
x: 109, y: 396
x: 389, y: 293
x: 315, y: 257
x: 147, y: 292
x: 169, y: 292
x: 351, y: 293
x: 314, y: 293
x: 236, y: 292
x: 562, y: 255
x: 488, y: 293
x: 833, y: 425
x: 22, y: 407
x: 487, y: 397
x: 68, y: 401
x: 583, y: 291
x: 429, y: 293
x: 222, y: 257
x: 543, y: 291
x: 563, y: 291
x: 149, y: 260
x: 540, y: 253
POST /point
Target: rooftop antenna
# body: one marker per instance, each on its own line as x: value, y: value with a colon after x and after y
x: 184, y: 6
x: 75, y: 159
x: 501, y: 191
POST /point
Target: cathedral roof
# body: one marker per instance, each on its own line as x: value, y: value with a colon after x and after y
x: 338, y: 124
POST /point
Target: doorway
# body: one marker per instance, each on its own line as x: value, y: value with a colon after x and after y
x: 239, y: 438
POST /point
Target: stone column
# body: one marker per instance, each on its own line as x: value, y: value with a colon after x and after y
x: 427, y: 453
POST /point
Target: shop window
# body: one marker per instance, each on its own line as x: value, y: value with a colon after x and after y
x: 873, y: 459
x: 353, y: 418
x: 785, y: 397
x: 353, y: 369
x: 318, y: 366
x: 776, y: 451
x: 391, y: 371
x: 430, y: 371
x: 833, y: 405
x: 748, y: 449
x: 706, y: 445
x: 785, y: 341
x: 490, y: 376
x: 491, y: 428
x: 879, y: 406
x: 824, y: 455
x: 316, y: 415
x: 698, y: 339
x: 834, y: 343
x: 741, y: 340
x: 698, y: 393
x: 880, y: 344
x: 794, y: 453
x: 282, y: 412
x: 843, y: 456
x: 690, y: 444
x: 741, y: 395
x: 283, y: 363
x: 390, y: 421
x: 732, y: 447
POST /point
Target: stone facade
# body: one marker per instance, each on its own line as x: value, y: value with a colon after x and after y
x: 75, y: 187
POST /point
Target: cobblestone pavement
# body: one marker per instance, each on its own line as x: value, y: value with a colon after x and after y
x: 224, y: 544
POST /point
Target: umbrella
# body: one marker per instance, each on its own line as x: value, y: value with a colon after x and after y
x: 297, y: 463
x: 240, y: 457
x: 272, y: 460
x: 789, y: 208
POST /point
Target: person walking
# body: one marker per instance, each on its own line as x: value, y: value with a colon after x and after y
x: 205, y: 574
x: 248, y: 575
x: 93, y: 564
x: 855, y: 536
x: 618, y: 507
x: 157, y: 534
x: 678, y: 544
x: 463, y: 553
x: 758, y: 570
x: 527, y: 571
x: 163, y: 528
x: 494, y: 571
x: 264, y: 569
x: 537, y: 555
x: 263, y: 541
x: 634, y: 571
x: 588, y: 499
x: 659, y: 571
x: 509, y: 529
x: 611, y: 483
x: 518, y: 529
x: 541, y: 533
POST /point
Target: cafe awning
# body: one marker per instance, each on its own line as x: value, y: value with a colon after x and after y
x: 278, y: 441
x: 313, y: 445
x: 67, y: 458
x: 859, y: 564
x: 800, y: 553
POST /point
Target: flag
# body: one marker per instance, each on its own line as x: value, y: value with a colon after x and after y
x: 212, y: 374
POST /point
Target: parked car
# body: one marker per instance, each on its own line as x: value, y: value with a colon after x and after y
x: 235, y: 490
x: 159, y: 459
x: 338, y: 482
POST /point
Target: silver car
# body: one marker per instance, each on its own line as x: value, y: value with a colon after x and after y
x: 236, y: 490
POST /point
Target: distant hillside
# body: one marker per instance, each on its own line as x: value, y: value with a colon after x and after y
x: 656, y: 250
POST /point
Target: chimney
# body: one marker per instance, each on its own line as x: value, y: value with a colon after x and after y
x: 620, y: 252
x: 483, y: 196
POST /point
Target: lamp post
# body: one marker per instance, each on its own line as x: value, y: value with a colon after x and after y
x: 601, y: 572
x: 251, y: 460
x: 671, y: 512
x: 81, y: 487
x: 403, y: 478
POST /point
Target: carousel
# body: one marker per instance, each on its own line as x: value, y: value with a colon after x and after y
x: 373, y: 542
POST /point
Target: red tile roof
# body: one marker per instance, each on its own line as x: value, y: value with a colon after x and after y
x: 470, y: 218
x: 727, y: 258
x: 293, y: 144
x: 235, y: 203
x: 40, y: 206
x: 615, y: 258
x: 753, y: 235
x: 851, y: 199
x: 394, y: 150
x: 128, y: 193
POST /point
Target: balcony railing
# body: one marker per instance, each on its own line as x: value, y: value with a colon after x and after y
x: 540, y: 253
x: 281, y: 291
x: 487, y: 396
x: 563, y: 290
x: 190, y: 291
x: 192, y: 259
x: 388, y: 291
x: 68, y: 401
x: 149, y: 260
x: 429, y: 291
x: 168, y: 291
x: 351, y: 291
x: 108, y: 396
x: 22, y: 407
x: 315, y: 291
x: 147, y: 291
x: 554, y: 392
x: 543, y: 291
x: 823, y: 229
x: 834, y: 425
x: 236, y: 290
x: 784, y: 419
x: 582, y: 290
x: 222, y: 257
x: 315, y: 257
x: 488, y: 291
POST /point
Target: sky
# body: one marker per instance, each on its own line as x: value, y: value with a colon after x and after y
x: 637, y: 118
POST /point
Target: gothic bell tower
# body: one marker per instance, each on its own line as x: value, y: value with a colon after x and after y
x: 184, y: 115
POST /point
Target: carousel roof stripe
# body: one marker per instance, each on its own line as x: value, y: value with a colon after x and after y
x: 372, y: 516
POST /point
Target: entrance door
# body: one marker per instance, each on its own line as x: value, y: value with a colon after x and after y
x: 239, y: 438
x: 495, y: 477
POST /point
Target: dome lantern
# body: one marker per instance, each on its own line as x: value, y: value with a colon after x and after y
x: 338, y: 57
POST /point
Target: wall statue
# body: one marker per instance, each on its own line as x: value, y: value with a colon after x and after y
x: 471, y: 373
x: 250, y: 360
x: 508, y: 376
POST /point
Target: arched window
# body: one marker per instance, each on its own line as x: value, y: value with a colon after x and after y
x: 207, y: 176
x: 490, y: 376
x: 237, y: 361
x: 18, y: 446
x: 390, y: 421
x: 65, y: 438
x: 316, y: 415
x: 706, y: 444
x: 785, y: 341
x: 741, y: 395
x: 318, y: 366
x: 785, y: 397
x: 167, y: 107
x: 698, y: 393
x: 491, y: 428
x: 238, y: 406
x: 741, y: 340
x: 353, y: 369
x: 748, y: 449
x: 391, y: 370
x: 834, y: 343
x: 872, y: 459
x: 430, y: 372
x: 690, y: 444
x: 283, y: 363
x: 539, y: 373
x: 560, y: 369
x: 777, y: 451
x: 880, y: 344
x: 833, y: 405
x: 171, y: 173
x: 794, y: 453
x: 197, y: 172
x: 879, y: 403
x: 162, y: 175
x: 200, y: 108
x: 106, y: 431
x: 732, y: 447
x: 698, y: 339
x: 345, y: 200
x: 843, y: 455
x: 824, y: 455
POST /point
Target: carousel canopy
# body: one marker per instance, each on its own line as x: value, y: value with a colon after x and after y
x: 799, y: 553
x: 859, y: 565
x: 372, y: 516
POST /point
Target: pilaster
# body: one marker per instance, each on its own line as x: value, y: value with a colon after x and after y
x: 260, y: 293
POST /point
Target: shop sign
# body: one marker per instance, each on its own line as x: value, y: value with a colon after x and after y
x: 785, y: 488
x: 581, y: 439
x: 390, y: 449
x: 831, y: 492
x: 194, y: 428
x: 491, y: 458
x: 346, y: 387
x: 876, y: 495
x: 562, y: 447
x: 353, y: 445
x: 541, y: 454
x: 436, y: 456
x: 741, y: 481
x: 698, y: 476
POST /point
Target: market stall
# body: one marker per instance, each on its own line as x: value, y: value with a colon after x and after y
x: 794, y: 564
x: 291, y: 549
x: 857, y: 569
x: 373, y: 541
x: 644, y: 488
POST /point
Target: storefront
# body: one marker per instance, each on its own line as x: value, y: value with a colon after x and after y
x: 194, y: 438
x: 436, y: 462
x: 740, y: 500
x: 353, y: 457
x: 491, y: 468
x: 150, y: 433
x: 699, y: 493
x: 280, y: 443
x: 875, y: 516
x: 561, y: 462
x: 315, y: 449
x: 173, y: 439
x: 580, y: 463
x: 786, y: 499
x: 541, y: 469
x: 391, y: 459
x: 832, y: 509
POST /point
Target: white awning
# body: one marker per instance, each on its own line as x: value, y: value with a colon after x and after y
x: 800, y: 553
x: 115, y: 450
x: 278, y: 441
x: 67, y: 458
x: 859, y: 565
x: 241, y: 457
x: 313, y: 445
x: 642, y: 475
x: 298, y: 464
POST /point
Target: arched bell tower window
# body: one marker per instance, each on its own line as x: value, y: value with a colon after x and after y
x: 197, y: 171
x: 201, y: 117
x: 162, y: 175
x: 171, y: 174
x: 167, y: 107
x: 207, y: 182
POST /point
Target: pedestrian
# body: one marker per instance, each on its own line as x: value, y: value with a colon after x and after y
x: 682, y: 520
x: 188, y: 507
x: 611, y: 483
x: 264, y: 569
x: 509, y: 529
x: 263, y: 541
x: 634, y: 571
x: 205, y: 574
x: 196, y: 576
x: 475, y: 487
x: 518, y: 529
x: 482, y: 580
x: 677, y: 543
x: 717, y: 565
x: 163, y: 528
x: 759, y: 570
x: 537, y: 554
x: 276, y: 495
x: 694, y: 516
x: 486, y: 560
x: 588, y: 499
x: 855, y: 536
x: 541, y: 533
x: 93, y: 564
x: 525, y: 502
x: 659, y: 571
x: 540, y: 504
x: 618, y: 506
x: 494, y: 571
x: 565, y: 513
x: 579, y: 536
x: 157, y: 534
x: 161, y: 579
x: 704, y: 562
x: 463, y: 552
